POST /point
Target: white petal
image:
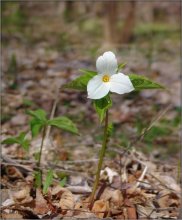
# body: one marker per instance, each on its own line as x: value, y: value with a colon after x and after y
x: 121, y: 83
x: 107, y: 64
x: 96, y: 88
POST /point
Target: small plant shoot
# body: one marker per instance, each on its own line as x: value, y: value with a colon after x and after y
x: 38, y: 124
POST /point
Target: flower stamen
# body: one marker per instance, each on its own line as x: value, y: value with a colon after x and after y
x: 105, y: 78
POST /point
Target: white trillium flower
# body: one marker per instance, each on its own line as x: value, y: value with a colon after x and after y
x: 108, y: 80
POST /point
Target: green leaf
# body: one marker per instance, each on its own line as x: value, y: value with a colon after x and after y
x: 21, y: 136
x: 48, y: 181
x: 38, y: 176
x: 80, y: 83
x: 27, y: 102
x: 101, y: 106
x: 121, y: 66
x: 25, y: 144
x: 64, y: 123
x: 39, y: 114
x: 39, y: 120
x: 36, y: 126
x: 140, y: 82
x: 37, y: 155
x: 12, y: 140
x: 63, y: 181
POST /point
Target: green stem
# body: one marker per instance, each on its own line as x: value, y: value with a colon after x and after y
x: 101, y: 157
x: 40, y: 154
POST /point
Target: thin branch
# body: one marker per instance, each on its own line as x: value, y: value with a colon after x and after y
x: 52, y: 113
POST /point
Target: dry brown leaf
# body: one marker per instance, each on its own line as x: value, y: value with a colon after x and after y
x: 170, y: 182
x: 41, y: 206
x: 67, y: 200
x: 168, y: 199
x: 82, y: 211
x: 133, y: 190
x: 107, y: 194
x: 117, y: 198
x: 101, y: 208
x: 131, y: 178
x: 84, y: 188
x: 58, y: 189
x: 131, y: 213
x: 22, y: 196
x: 13, y: 172
x: 11, y: 216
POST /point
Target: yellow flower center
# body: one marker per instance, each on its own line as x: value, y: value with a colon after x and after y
x: 105, y: 78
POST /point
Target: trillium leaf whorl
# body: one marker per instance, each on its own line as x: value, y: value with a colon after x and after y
x: 108, y: 80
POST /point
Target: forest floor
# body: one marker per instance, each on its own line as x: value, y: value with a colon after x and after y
x: 140, y: 182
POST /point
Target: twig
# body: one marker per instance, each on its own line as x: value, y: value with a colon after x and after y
x: 11, y: 162
x: 52, y: 113
x: 157, y: 118
x: 142, y: 176
x: 82, y: 161
x: 18, y: 165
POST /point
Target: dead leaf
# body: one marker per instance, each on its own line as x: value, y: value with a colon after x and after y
x: 11, y: 216
x: 131, y: 213
x: 13, y: 172
x: 170, y: 182
x: 67, y: 200
x: 57, y: 190
x: 85, y: 188
x: 107, y: 194
x: 22, y: 196
x: 41, y: 206
x: 19, y: 119
x: 101, y: 208
x: 82, y: 211
x: 117, y: 198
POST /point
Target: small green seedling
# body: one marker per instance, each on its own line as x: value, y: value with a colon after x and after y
x: 39, y: 123
x: 20, y: 139
x: 48, y: 181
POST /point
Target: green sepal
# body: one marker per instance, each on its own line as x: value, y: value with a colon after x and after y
x: 102, y: 105
x: 121, y: 66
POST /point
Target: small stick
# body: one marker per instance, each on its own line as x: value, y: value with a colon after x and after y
x: 52, y: 113
x: 157, y: 118
x: 142, y: 176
